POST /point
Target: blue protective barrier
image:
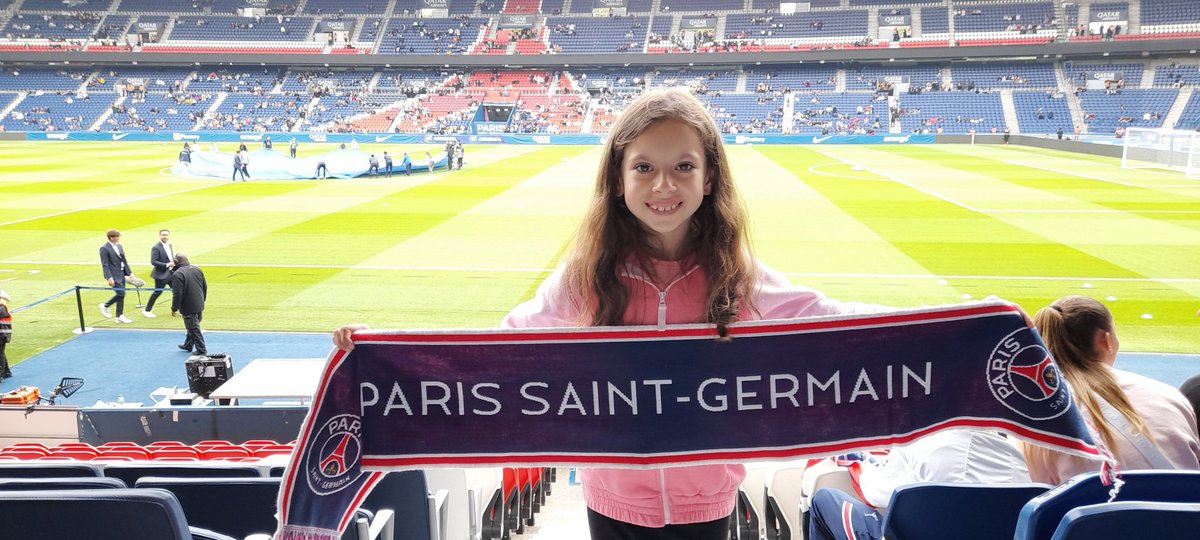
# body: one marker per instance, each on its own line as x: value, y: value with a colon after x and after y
x: 267, y: 164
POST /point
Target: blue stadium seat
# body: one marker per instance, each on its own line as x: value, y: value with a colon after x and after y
x: 1130, y: 519
x: 48, y: 469
x: 236, y: 507
x: 955, y: 510
x: 98, y: 514
x: 1042, y: 514
x: 419, y: 515
x: 35, y: 484
x: 130, y: 473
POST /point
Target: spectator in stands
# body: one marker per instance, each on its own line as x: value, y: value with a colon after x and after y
x: 1146, y: 424
x: 116, y: 270
x: 189, y: 290
x: 1191, y: 390
x: 962, y: 455
x: 664, y: 152
x: 5, y: 334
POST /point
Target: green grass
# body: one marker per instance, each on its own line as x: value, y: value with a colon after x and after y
x: 902, y: 225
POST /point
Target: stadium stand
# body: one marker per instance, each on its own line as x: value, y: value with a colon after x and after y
x: 1042, y: 112
x: 1190, y: 119
x: 1104, y: 111
x: 246, y: 98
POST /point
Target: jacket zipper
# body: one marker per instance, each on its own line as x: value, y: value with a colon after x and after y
x: 662, y: 310
x: 662, y: 294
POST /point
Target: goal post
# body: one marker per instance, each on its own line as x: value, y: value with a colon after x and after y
x: 1146, y: 148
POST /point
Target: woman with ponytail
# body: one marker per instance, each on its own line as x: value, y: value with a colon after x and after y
x: 1146, y: 424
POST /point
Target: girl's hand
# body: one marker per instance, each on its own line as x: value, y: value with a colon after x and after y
x: 341, y: 336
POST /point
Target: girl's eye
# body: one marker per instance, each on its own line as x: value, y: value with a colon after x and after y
x: 642, y: 168
x: 685, y: 166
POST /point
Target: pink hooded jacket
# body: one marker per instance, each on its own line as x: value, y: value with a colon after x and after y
x: 674, y: 495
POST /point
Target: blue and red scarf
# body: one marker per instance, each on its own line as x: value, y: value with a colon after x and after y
x: 642, y: 397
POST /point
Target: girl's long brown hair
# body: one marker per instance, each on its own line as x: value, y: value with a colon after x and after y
x: 1068, y: 326
x: 610, y: 234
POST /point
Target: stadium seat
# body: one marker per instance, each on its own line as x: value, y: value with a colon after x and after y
x: 34, y: 484
x: 174, y: 453
x: 1130, y: 519
x: 98, y: 514
x: 416, y: 511
x: 956, y: 510
x: 49, y: 470
x: 225, y: 452
x: 1041, y: 515
x: 781, y: 511
x: 131, y: 472
x: 236, y: 507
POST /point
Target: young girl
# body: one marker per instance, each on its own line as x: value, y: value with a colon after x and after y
x: 662, y: 242
x: 1145, y: 423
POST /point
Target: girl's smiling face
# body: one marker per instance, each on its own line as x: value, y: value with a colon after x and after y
x: 664, y: 179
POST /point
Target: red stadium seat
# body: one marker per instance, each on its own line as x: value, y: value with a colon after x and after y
x: 172, y: 453
x: 131, y: 453
x: 224, y: 453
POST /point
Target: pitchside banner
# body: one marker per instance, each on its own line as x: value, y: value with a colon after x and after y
x: 643, y: 397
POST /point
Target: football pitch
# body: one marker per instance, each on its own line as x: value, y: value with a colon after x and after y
x: 899, y: 225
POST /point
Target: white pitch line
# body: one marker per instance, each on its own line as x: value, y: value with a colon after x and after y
x: 1100, y: 179
x: 102, y: 205
x: 906, y: 183
x: 539, y: 270
x: 813, y: 169
x: 1095, y: 211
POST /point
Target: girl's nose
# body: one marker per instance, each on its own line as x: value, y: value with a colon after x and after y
x: 664, y: 184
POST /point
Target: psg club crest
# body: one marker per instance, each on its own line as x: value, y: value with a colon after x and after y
x: 336, y: 462
x: 1022, y: 376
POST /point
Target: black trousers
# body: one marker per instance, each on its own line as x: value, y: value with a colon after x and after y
x: 195, y: 339
x: 4, y: 371
x: 158, y: 284
x: 605, y: 528
x: 118, y: 297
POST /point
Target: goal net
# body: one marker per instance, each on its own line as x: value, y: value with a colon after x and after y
x: 1162, y: 149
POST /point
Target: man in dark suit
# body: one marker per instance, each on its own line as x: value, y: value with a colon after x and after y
x: 188, y: 292
x: 161, y: 256
x: 116, y: 268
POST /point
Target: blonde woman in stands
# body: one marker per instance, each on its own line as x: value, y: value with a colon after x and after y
x: 1146, y: 424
